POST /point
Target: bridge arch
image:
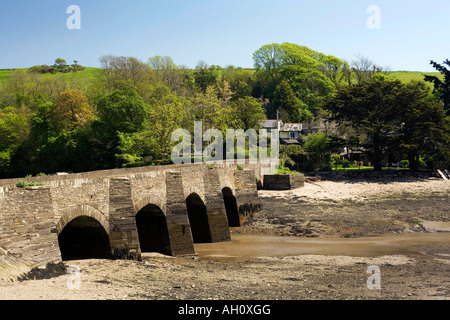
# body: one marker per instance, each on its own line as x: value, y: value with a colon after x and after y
x: 83, y: 233
x: 198, y: 219
x: 153, y: 232
x: 82, y: 211
x: 150, y: 199
x: 231, y: 207
x: 229, y: 185
x: 188, y: 191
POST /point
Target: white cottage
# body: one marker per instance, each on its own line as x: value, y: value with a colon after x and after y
x: 290, y: 133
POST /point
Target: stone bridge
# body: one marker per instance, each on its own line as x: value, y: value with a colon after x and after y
x: 122, y: 213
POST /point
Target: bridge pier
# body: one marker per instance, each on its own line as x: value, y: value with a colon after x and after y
x: 215, y: 207
x: 180, y: 234
x: 246, y: 194
x: 123, y: 234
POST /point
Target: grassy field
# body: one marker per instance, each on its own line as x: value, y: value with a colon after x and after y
x: 4, y: 74
x: 407, y: 76
x: 87, y: 74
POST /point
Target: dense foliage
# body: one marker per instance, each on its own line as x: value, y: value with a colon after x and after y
x: 70, y: 118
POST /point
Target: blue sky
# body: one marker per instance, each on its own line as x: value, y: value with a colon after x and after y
x: 223, y: 32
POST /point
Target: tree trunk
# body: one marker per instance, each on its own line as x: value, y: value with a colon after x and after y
x: 413, y: 162
x: 377, y: 158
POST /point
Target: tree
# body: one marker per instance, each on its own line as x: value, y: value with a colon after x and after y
x: 269, y: 58
x: 71, y: 110
x: 442, y: 88
x: 335, y: 69
x: 168, y: 73
x: 119, y: 69
x: 14, y: 130
x: 76, y: 67
x: 247, y: 111
x: 289, y: 107
x: 206, y: 107
x: 425, y: 131
x: 241, y: 81
x: 393, y: 116
x: 60, y: 64
x: 373, y: 108
x: 123, y: 110
x: 284, y: 101
x: 344, y: 136
x: 316, y: 145
x: 311, y: 86
x: 58, y: 153
x: 167, y: 113
x: 165, y: 117
x: 206, y: 76
x: 311, y: 74
x: 364, y: 69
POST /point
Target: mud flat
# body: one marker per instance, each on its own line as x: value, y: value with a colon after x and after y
x: 354, y: 209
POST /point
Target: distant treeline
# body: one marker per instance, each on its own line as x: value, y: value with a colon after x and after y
x: 60, y: 65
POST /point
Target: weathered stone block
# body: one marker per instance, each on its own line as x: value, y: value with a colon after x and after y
x: 246, y: 194
x: 178, y: 226
x: 283, y: 181
x: 215, y: 206
x: 123, y: 231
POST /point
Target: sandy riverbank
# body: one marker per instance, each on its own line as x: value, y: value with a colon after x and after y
x: 354, y: 209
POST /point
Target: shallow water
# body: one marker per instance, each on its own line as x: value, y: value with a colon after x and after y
x: 252, y: 246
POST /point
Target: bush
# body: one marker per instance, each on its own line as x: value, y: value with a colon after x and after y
x: 422, y: 163
x: 346, y: 164
x: 26, y: 183
x: 22, y: 184
x: 336, y: 160
x: 301, y: 162
x: 404, y: 164
x: 325, y: 168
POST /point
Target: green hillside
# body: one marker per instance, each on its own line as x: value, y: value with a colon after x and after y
x: 407, y: 76
x: 4, y: 74
x: 87, y: 74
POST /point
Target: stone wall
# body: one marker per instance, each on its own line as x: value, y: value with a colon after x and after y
x: 91, y: 192
x: 283, y: 181
x: 27, y: 225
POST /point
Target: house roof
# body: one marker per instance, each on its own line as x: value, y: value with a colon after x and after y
x: 290, y: 141
x: 292, y: 127
x: 269, y: 123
